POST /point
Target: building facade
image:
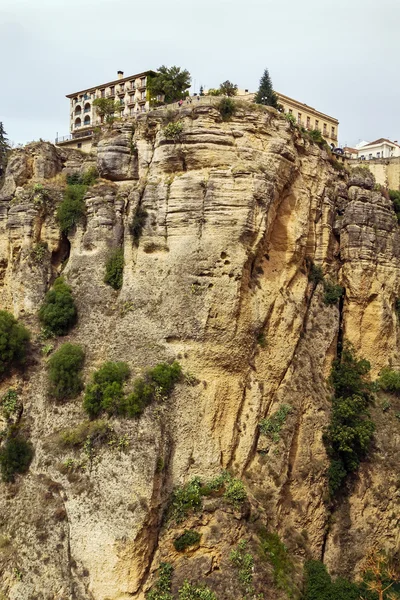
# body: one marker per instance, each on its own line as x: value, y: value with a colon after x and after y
x: 130, y: 92
x: 310, y: 118
x: 381, y: 148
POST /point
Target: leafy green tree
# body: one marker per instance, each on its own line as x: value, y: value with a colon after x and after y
x: 266, y: 94
x: 72, y: 209
x: 106, y: 109
x: 319, y: 586
x: 170, y: 82
x: 64, y: 371
x: 4, y: 149
x: 58, y: 312
x: 15, y: 456
x: 105, y: 392
x: 14, y: 339
x: 228, y: 88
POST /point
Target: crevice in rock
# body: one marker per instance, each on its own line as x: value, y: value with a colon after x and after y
x: 61, y: 254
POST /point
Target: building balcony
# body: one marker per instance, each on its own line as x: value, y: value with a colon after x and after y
x: 87, y: 110
x: 121, y: 92
x: 110, y: 95
x: 131, y: 101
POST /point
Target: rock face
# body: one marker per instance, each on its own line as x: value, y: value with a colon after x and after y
x: 236, y: 213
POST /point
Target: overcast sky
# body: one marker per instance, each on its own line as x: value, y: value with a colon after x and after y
x: 339, y: 56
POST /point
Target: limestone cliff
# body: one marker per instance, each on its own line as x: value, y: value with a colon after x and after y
x: 237, y: 212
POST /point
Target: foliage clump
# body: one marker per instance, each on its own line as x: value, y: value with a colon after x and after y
x: 319, y: 585
x: 58, y: 312
x: 190, y: 591
x: 227, y: 88
x: 389, y: 381
x: 96, y: 432
x: 14, y: 338
x: 115, y: 269
x: 349, y: 434
x: 15, y: 456
x: 271, y: 426
x: 72, y: 209
x: 394, y: 195
x: 87, y: 178
x: 173, y: 131
x: 171, y: 83
x: 187, y: 539
x: 189, y: 498
x: 156, y: 385
x: 244, y: 563
x: 332, y: 293
x: 64, y: 371
x: 161, y: 590
x: 227, y: 108
x: 274, y: 551
x: 10, y: 403
x: 105, y: 392
x: 137, y: 224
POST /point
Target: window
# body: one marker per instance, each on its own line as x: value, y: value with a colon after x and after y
x: 112, y: 90
x: 316, y: 124
x: 132, y: 84
x: 132, y: 111
x: 103, y: 93
x: 290, y: 111
x: 143, y: 81
x: 378, y: 155
x: 79, y: 145
x: 369, y: 156
x: 308, y: 122
x: 86, y: 120
x: 299, y: 118
x: 143, y: 96
x: 333, y: 132
x: 325, y: 128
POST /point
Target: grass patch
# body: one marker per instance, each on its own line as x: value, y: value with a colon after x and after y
x: 243, y: 561
x: 275, y: 552
x: 64, y: 372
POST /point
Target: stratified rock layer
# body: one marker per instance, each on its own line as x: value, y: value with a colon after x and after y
x: 237, y: 213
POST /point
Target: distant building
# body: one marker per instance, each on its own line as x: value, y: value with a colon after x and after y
x: 310, y: 118
x: 130, y: 92
x: 381, y: 148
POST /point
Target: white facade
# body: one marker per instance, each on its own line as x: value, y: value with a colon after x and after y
x: 381, y: 148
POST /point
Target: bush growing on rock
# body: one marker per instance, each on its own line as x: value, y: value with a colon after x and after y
x: 332, y: 293
x: 105, y: 392
x: 115, y: 269
x: 14, y: 339
x: 172, y: 131
x: 227, y: 108
x: 58, y: 312
x: 389, y: 381
x: 72, y: 209
x: 64, y: 371
x: 157, y: 384
x: 187, y: 539
x: 15, y: 456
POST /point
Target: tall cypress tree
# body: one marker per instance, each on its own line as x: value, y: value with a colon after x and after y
x: 266, y: 94
x: 4, y: 148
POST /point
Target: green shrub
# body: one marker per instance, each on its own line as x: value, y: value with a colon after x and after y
x: 115, y: 269
x: 14, y: 339
x: 38, y: 252
x: 244, y: 562
x: 349, y: 434
x: 389, y: 381
x: 72, y: 209
x: 87, y: 178
x: 272, y: 425
x: 15, y: 456
x: 161, y: 590
x: 319, y: 586
x: 157, y: 384
x: 105, y: 392
x: 332, y: 292
x: 316, y: 136
x: 187, y: 539
x: 9, y: 403
x: 137, y: 224
x: 235, y: 492
x: 290, y: 118
x: 315, y: 274
x: 58, y: 312
x: 64, y: 370
x: 227, y: 108
x: 394, y: 195
x: 190, y: 591
x: 275, y: 551
x: 173, y: 130
x: 97, y: 432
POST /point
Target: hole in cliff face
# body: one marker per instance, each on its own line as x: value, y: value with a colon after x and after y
x: 61, y: 255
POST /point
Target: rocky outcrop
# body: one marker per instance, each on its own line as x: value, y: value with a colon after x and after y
x: 237, y: 212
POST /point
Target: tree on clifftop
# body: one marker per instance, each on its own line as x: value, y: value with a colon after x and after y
x: 4, y: 149
x: 266, y: 94
x: 228, y: 88
x: 106, y: 108
x: 170, y: 82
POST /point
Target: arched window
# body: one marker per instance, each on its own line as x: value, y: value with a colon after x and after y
x: 78, y: 110
x: 87, y: 107
x: 78, y: 122
x: 86, y: 120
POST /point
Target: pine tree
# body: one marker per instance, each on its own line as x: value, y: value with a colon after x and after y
x: 266, y: 94
x: 4, y: 148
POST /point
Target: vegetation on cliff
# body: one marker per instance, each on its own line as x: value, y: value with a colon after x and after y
x: 265, y: 94
x: 58, y: 312
x: 64, y: 371
x: 14, y: 338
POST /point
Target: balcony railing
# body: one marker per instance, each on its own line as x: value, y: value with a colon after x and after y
x: 86, y: 110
